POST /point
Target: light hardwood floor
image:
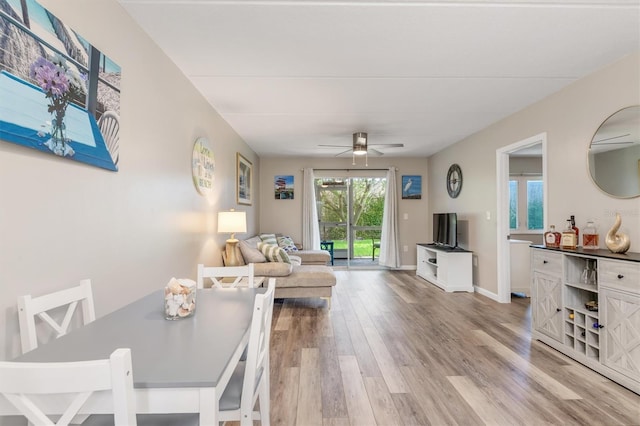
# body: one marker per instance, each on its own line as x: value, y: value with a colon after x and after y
x: 396, y: 350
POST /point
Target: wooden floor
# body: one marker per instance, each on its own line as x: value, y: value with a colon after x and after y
x: 396, y: 350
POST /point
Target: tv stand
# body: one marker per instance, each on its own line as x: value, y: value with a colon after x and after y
x: 447, y: 267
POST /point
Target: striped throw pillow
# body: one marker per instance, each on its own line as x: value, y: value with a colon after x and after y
x: 273, y: 253
x: 269, y: 239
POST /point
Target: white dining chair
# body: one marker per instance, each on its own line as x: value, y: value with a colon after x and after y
x: 217, y: 275
x: 28, y: 385
x: 249, y: 382
x: 31, y: 307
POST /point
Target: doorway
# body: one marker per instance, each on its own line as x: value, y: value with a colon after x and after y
x: 535, y: 145
x: 350, y: 211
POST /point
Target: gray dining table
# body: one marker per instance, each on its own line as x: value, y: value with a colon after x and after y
x: 180, y: 366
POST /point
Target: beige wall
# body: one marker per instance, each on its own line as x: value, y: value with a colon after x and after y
x: 130, y: 231
x: 570, y: 118
x: 286, y: 215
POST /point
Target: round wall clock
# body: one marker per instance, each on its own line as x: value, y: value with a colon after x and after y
x: 202, y: 166
x: 454, y: 180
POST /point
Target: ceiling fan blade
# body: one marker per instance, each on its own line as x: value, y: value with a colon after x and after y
x: 387, y: 145
x: 344, y: 152
x: 374, y: 152
x: 335, y: 146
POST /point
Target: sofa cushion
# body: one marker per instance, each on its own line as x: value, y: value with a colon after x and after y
x: 250, y: 252
x: 272, y: 269
x: 273, y: 253
x: 295, y: 260
x: 286, y: 243
x: 314, y: 257
x: 308, y: 276
x: 269, y: 239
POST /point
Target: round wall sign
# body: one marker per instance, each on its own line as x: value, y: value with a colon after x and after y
x: 202, y: 166
x: 454, y: 180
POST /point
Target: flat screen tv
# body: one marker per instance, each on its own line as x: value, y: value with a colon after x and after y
x: 445, y: 229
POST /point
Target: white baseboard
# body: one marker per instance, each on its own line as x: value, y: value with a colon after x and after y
x: 408, y: 267
x: 486, y: 293
x: 402, y: 268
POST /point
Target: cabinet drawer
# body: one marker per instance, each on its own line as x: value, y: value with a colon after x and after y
x: 547, y: 261
x: 620, y: 275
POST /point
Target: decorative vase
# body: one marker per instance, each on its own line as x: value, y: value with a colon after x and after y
x: 617, y: 242
x: 59, y: 144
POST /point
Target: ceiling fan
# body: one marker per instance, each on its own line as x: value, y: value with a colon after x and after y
x: 361, y: 147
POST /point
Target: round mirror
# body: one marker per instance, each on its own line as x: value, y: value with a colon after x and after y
x: 614, y: 154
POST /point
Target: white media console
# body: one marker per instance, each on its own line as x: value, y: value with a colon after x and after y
x: 449, y: 269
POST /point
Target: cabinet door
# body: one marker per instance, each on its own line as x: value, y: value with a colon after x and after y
x: 421, y: 267
x: 547, y: 308
x: 621, y: 332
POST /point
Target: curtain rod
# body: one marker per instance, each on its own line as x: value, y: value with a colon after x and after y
x: 350, y: 170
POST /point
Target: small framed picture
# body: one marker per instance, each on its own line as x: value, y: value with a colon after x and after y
x: 283, y: 187
x: 411, y: 187
x: 244, y: 176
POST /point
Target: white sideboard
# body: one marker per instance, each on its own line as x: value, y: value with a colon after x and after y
x: 449, y: 269
x: 604, y: 337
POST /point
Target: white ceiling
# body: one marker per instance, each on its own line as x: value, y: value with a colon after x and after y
x: 289, y: 75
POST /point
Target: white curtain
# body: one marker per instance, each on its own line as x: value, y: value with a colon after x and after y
x: 389, y: 245
x: 310, y: 228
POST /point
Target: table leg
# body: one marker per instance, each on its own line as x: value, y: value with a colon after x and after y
x: 209, y: 407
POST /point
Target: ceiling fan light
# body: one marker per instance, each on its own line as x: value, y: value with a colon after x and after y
x: 359, y: 150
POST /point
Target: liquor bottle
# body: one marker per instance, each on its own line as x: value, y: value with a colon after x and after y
x: 590, y: 236
x: 569, y: 238
x: 575, y: 228
x: 552, y: 237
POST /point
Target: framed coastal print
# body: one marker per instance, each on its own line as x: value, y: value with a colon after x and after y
x: 283, y: 187
x: 244, y: 176
x: 51, y: 99
x: 411, y: 187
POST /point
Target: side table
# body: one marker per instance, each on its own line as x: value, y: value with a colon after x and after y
x: 328, y: 246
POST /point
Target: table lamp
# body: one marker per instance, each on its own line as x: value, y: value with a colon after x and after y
x: 232, y: 222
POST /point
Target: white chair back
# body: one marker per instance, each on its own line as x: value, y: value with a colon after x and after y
x: 34, y: 388
x: 256, y: 375
x: 253, y: 374
x: 109, y: 124
x: 217, y: 275
x: 31, y: 307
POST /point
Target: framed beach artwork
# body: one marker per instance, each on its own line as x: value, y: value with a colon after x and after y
x: 411, y: 187
x: 53, y: 98
x: 244, y: 176
x: 283, y: 187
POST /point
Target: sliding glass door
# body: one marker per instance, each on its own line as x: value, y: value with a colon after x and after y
x: 350, y: 216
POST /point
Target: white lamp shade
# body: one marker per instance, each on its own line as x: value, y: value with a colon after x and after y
x: 232, y: 222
